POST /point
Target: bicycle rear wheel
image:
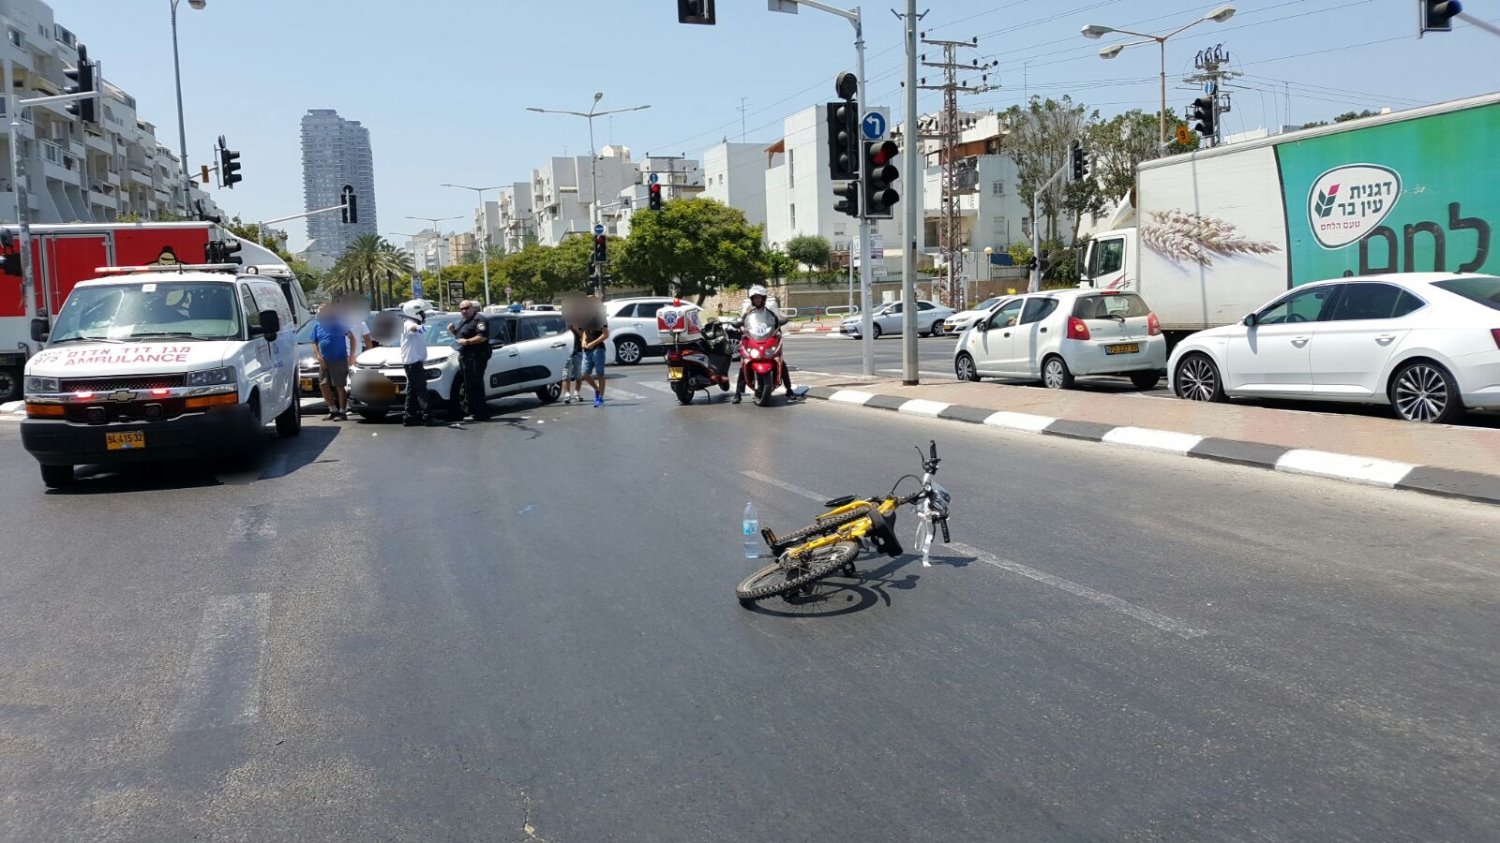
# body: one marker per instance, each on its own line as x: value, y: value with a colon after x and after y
x: 774, y: 579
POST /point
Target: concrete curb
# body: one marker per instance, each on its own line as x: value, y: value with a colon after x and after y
x: 1369, y: 471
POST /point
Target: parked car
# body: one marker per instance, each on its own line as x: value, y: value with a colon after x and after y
x: 528, y: 351
x: 307, y: 362
x: 1058, y: 335
x: 964, y: 320
x: 888, y: 319
x: 1426, y: 343
x: 632, y: 328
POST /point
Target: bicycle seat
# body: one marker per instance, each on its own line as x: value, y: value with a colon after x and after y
x: 842, y: 501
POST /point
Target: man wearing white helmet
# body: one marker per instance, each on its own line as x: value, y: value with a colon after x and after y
x: 759, y: 299
x: 414, y: 361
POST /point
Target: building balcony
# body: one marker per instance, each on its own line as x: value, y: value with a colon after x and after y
x: 140, y: 177
x: 98, y: 143
x: 104, y: 201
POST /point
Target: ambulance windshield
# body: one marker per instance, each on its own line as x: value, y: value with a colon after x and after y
x: 142, y: 311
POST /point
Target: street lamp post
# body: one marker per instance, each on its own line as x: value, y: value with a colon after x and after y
x: 484, y: 254
x: 1219, y: 15
x: 593, y: 155
x: 439, y: 262
x: 187, y: 192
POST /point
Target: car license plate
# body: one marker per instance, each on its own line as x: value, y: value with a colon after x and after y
x: 128, y: 441
x: 307, y: 384
x: 674, y: 373
x: 1123, y: 348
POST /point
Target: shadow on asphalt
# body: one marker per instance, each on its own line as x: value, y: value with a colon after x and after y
x: 280, y: 458
x: 839, y: 595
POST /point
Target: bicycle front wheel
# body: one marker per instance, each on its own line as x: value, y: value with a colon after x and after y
x: 774, y: 579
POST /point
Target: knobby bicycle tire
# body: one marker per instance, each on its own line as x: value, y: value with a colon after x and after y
x: 748, y: 592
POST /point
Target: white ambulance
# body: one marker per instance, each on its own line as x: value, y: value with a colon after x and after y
x: 160, y: 363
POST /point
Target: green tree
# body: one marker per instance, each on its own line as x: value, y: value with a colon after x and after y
x: 700, y: 246
x: 1117, y: 147
x: 1041, y: 139
x: 810, y: 250
x: 370, y: 266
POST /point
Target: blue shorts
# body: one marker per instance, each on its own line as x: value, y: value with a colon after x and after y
x: 593, y: 361
x: 573, y: 368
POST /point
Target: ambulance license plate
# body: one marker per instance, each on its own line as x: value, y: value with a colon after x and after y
x: 1123, y: 348
x: 133, y: 440
x: 674, y: 373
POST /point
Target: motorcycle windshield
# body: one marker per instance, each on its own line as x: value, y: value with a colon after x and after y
x: 759, y: 324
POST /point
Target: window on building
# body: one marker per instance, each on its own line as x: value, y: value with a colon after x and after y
x: 999, y: 188
x: 15, y: 36
x: 794, y: 216
x: 791, y: 172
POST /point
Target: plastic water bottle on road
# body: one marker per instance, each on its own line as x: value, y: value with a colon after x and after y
x: 752, y: 532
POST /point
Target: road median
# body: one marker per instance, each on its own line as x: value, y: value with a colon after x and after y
x: 1441, y: 460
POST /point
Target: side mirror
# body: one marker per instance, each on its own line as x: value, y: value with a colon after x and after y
x: 270, y: 324
x: 1251, y: 320
x: 40, y: 330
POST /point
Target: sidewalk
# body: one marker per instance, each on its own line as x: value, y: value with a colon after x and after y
x: 1439, y: 459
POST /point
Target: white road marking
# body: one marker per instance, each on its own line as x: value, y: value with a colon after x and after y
x: 222, y: 683
x: 1124, y: 607
x: 611, y: 392
x: 851, y: 396
x: 1148, y: 439
x: 1344, y: 467
x: 656, y: 385
x: 923, y: 407
x: 1019, y: 421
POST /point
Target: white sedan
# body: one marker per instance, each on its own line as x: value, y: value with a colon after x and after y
x: 1426, y: 343
x: 964, y: 320
x: 1057, y: 335
x: 888, y: 319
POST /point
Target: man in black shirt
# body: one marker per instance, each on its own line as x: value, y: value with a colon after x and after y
x: 473, y: 332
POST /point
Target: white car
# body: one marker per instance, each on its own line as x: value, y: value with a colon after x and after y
x: 888, y: 319
x: 1058, y: 335
x: 528, y: 351
x: 160, y: 365
x: 1426, y: 343
x: 632, y: 328
x: 964, y: 320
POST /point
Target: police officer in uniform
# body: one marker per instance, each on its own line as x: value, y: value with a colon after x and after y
x: 473, y: 333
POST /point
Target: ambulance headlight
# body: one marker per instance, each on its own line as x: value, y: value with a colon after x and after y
x: 35, y: 385
x: 211, y: 377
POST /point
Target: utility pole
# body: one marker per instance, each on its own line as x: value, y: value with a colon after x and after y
x: 1210, y: 63
x: 915, y: 202
x: 949, y: 132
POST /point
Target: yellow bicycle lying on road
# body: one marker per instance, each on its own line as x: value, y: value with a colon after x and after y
x: 834, y: 540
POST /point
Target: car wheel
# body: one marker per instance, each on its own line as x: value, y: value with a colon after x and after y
x: 937, y: 329
x: 1198, y: 379
x: 57, y: 476
x: 629, y: 351
x: 1423, y: 391
x: 875, y: 331
x: 549, y: 393
x: 1056, y: 374
x: 10, y: 386
x: 1145, y: 380
x: 289, y: 423
x: 964, y: 367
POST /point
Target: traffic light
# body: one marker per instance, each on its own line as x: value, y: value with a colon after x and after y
x: 221, y: 251
x: 203, y: 180
x: 81, y: 78
x: 843, y: 140
x: 601, y: 248
x: 1203, y: 113
x: 653, y: 194
x: 229, y: 165
x: 1080, y: 161
x: 880, y: 174
x: 848, y: 194
x: 350, y: 213
x: 695, y: 11
x: 1437, y: 15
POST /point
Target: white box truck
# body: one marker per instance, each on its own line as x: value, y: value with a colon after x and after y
x: 1209, y: 236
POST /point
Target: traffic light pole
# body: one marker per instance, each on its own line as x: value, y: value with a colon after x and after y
x: 914, y: 204
x: 1036, y: 229
x: 260, y: 227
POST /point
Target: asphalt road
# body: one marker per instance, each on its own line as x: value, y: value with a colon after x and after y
x: 526, y: 630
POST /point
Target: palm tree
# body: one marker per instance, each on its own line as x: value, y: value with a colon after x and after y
x: 369, y: 260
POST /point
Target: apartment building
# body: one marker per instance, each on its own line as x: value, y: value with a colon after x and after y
x: 336, y: 152
x: 734, y: 173
x: 80, y: 172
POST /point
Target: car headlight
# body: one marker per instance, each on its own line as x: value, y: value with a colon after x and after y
x: 211, y: 377
x: 35, y: 384
x: 434, y: 374
x: 308, y: 362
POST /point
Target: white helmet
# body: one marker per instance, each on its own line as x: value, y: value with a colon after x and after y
x: 758, y: 290
x: 414, y: 309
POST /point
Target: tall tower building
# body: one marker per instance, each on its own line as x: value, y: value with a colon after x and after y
x: 335, y: 152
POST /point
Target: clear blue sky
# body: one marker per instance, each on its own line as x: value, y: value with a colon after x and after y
x: 443, y: 84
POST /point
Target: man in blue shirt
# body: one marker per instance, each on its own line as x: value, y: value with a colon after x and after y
x: 333, y: 345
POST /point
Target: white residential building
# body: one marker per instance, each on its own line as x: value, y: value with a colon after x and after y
x: 735, y: 174
x: 514, y: 217
x: 80, y: 172
x: 679, y: 177
x: 430, y: 250
x: 561, y: 191
x: 992, y: 212
x: 487, y: 223
x: 463, y: 246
